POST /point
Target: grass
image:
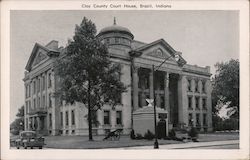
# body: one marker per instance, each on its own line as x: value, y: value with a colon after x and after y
x: 81, y: 142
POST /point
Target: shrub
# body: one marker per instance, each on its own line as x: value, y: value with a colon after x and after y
x: 149, y: 135
x: 172, y: 134
x: 193, y: 133
x: 138, y: 136
x: 132, y: 134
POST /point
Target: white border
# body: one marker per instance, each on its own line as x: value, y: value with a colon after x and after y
x: 242, y: 153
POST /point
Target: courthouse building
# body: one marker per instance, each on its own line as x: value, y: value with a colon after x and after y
x: 182, y: 89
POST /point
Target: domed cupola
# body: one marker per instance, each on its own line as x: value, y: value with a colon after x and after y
x: 116, y: 35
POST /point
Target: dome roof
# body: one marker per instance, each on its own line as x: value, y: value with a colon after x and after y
x: 115, y: 28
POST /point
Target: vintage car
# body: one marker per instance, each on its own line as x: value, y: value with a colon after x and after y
x: 29, y: 139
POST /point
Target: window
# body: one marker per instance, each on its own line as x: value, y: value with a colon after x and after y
x: 204, y: 119
x: 196, y: 86
x: 38, y: 85
x: 34, y: 103
x: 204, y: 103
x: 106, y: 117
x: 66, y: 118
x: 73, y: 117
x: 61, y: 116
x: 43, y: 101
x: 38, y: 102
x: 26, y: 107
x: 116, y: 40
x: 50, y: 100
x: 190, y: 119
x: 34, y: 87
x: 26, y: 91
x: 108, y: 41
x: 190, y: 103
x: 197, y: 103
x: 49, y: 80
x: 203, y: 87
x: 119, y: 117
x: 29, y: 106
x: 198, y: 119
x: 162, y: 102
x: 43, y: 81
x: 50, y: 120
x: 189, y: 85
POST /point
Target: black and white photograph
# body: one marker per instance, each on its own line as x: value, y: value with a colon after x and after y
x: 110, y: 79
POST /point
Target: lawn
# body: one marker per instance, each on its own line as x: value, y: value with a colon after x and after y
x: 81, y: 142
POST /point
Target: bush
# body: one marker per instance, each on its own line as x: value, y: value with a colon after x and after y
x: 193, y: 133
x: 132, y: 134
x: 138, y: 136
x: 172, y: 134
x: 149, y: 135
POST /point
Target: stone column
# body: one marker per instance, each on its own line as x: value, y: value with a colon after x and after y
x: 166, y: 92
x: 151, y: 85
x: 38, y: 123
x: 182, y: 100
x: 135, y: 87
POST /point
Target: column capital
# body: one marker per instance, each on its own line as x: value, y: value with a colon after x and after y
x: 135, y: 69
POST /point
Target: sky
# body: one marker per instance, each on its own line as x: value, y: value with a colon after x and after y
x: 204, y: 37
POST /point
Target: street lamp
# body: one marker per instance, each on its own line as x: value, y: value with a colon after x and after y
x: 177, y: 58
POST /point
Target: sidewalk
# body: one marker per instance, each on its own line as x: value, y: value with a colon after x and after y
x: 188, y: 145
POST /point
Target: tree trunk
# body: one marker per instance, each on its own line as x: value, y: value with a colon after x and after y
x: 89, y: 114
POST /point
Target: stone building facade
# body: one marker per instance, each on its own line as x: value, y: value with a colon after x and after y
x: 183, y: 90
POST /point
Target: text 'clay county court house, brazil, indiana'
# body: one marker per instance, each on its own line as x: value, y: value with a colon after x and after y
x: 183, y: 90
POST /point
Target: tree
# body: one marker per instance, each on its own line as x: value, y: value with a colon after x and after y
x: 87, y: 74
x: 226, y: 87
x: 18, y: 125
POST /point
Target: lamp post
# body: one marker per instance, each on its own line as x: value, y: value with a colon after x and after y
x: 176, y: 56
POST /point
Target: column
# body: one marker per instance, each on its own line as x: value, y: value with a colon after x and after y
x: 38, y: 123
x: 166, y: 92
x: 135, y: 87
x: 151, y: 85
x: 182, y: 101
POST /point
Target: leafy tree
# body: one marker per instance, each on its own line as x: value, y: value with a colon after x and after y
x: 86, y: 72
x: 18, y: 125
x: 226, y: 87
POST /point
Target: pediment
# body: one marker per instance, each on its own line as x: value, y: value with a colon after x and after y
x: 160, y: 49
x: 40, y: 57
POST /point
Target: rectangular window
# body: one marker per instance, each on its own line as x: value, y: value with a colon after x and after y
x: 189, y: 85
x: 119, y: 117
x: 50, y: 120
x: 61, y: 116
x: 43, y: 101
x: 38, y: 85
x: 196, y: 86
x: 50, y: 100
x: 34, y: 87
x: 204, y: 103
x: 197, y: 103
x: 73, y: 117
x: 198, y: 119
x: 29, y: 104
x: 43, y: 83
x: 66, y: 118
x: 162, y: 102
x: 190, y: 119
x: 106, y: 117
x: 49, y: 80
x: 26, y: 107
x: 34, y: 103
x: 203, y: 87
x: 38, y: 102
x: 204, y: 119
x: 190, y: 103
x: 28, y: 90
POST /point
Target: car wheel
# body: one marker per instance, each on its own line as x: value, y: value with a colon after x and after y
x: 31, y: 147
x: 40, y: 147
x: 17, y: 147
